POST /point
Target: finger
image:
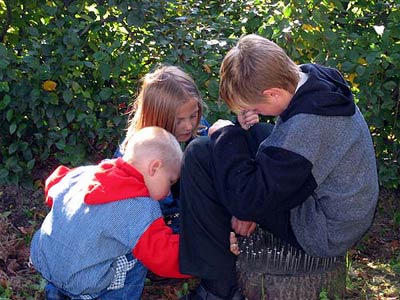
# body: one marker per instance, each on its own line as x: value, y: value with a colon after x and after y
x: 235, y: 248
x: 251, y: 229
x: 250, y: 113
x: 233, y: 238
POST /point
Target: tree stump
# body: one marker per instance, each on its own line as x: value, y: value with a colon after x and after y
x: 269, y: 269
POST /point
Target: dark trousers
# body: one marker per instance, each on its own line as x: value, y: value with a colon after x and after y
x: 206, y: 223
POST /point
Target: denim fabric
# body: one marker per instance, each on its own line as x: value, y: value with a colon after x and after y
x: 204, y: 125
x: 132, y: 290
x: 87, y: 266
x: 52, y: 293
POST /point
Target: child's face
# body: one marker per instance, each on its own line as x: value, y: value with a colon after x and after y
x: 268, y: 109
x: 274, y: 103
x: 186, y: 120
x: 159, y: 183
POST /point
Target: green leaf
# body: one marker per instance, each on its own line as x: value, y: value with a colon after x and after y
x: 33, y: 31
x: 89, y: 64
x: 12, y: 148
x: 105, y: 70
x: 60, y: 145
x: 4, y: 63
x: 105, y: 93
x: 35, y: 94
x: 287, y: 11
x: 213, y: 89
x: 86, y: 94
x: 30, y: 164
x: 4, y: 103
x: 67, y: 96
x: 4, y: 87
x: 4, y: 173
x: 10, y: 114
x: 13, y: 127
x: 75, y: 87
x: 70, y: 115
x: 135, y: 18
x: 389, y: 85
x: 90, y: 104
x: 100, y: 56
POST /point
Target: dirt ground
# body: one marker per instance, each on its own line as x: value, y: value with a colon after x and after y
x: 374, y: 265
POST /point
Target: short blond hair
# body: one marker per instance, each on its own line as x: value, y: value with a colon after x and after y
x: 153, y: 143
x: 254, y: 65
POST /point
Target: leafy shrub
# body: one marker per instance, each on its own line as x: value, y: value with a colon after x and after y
x: 69, y: 69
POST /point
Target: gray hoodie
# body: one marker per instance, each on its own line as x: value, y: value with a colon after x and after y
x: 318, y: 163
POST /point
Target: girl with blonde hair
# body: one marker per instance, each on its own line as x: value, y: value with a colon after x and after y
x: 170, y: 99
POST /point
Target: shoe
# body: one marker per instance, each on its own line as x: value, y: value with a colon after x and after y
x: 202, y: 294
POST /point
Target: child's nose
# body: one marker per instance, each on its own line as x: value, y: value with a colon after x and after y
x: 188, y: 125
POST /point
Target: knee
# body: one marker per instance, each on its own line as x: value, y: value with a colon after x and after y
x: 198, y: 147
x: 196, y: 154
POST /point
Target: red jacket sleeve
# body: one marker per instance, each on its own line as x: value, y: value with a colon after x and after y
x: 53, y: 179
x: 158, y: 250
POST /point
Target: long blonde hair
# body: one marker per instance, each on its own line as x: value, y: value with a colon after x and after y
x: 162, y: 92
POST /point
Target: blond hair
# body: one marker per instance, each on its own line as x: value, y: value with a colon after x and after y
x: 254, y: 65
x: 162, y: 93
x: 153, y: 143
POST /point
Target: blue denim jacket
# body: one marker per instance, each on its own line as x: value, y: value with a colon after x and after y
x: 78, y: 246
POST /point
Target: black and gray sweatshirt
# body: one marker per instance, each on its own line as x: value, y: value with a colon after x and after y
x: 318, y: 163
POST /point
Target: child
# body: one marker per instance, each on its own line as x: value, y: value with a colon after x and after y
x: 313, y: 181
x: 170, y: 99
x: 105, y: 219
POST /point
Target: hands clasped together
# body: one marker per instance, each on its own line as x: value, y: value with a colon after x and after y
x: 246, y: 119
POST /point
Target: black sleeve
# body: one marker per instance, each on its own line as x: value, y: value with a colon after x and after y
x: 249, y: 185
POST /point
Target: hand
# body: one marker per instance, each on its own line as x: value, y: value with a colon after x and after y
x: 244, y: 228
x: 248, y: 118
x: 234, y: 244
x: 217, y: 125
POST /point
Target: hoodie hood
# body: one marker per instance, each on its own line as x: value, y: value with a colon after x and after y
x: 325, y: 93
x: 110, y: 181
x: 115, y: 180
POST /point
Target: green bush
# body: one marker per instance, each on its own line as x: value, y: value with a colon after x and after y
x: 69, y: 69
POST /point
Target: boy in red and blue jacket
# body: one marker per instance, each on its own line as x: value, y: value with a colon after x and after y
x: 105, y: 226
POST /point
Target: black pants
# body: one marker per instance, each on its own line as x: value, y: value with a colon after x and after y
x: 205, y: 222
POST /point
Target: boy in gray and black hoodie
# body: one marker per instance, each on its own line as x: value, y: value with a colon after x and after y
x: 312, y: 182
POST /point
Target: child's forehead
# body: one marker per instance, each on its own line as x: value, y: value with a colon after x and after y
x: 243, y: 107
x: 188, y: 107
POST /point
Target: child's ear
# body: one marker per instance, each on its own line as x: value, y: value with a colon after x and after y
x: 154, y: 166
x: 272, y: 92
